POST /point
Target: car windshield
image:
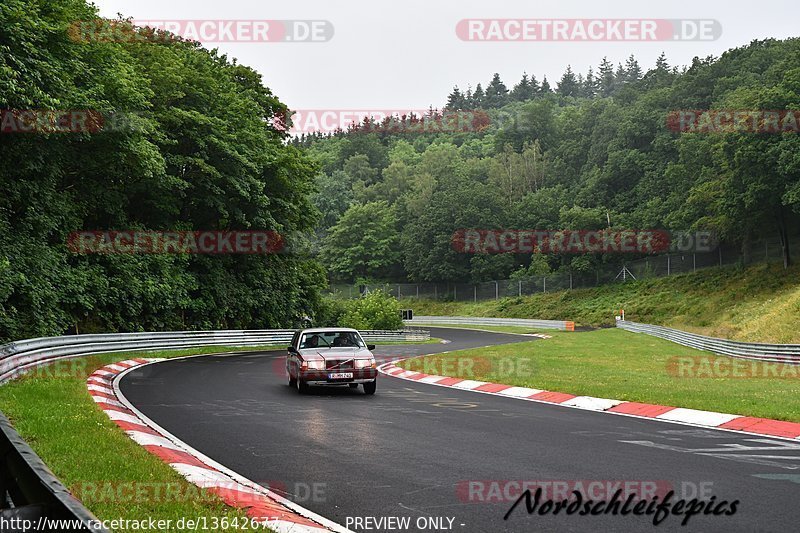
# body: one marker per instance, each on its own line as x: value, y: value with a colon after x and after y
x: 331, y: 339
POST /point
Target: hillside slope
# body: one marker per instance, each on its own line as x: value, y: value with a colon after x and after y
x: 756, y: 304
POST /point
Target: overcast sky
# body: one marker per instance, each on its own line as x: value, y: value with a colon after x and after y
x: 406, y: 54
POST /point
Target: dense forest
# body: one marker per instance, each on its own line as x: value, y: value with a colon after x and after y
x: 197, y: 152
x: 591, y: 152
x: 200, y: 145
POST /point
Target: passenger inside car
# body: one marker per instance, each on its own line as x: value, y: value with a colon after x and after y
x: 311, y: 341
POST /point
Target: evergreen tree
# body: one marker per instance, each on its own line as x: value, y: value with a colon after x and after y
x: 633, y: 72
x: 591, y: 85
x: 568, y: 85
x: 478, y: 97
x: 522, y: 91
x: 496, y: 93
x: 535, y: 88
x: 606, y: 80
x: 545, y: 87
x: 456, y: 100
x: 468, y: 98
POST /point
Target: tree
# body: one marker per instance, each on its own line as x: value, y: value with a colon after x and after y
x: 364, y: 243
x: 591, y: 85
x: 607, y: 80
x: 188, y: 144
x: 523, y: 90
x: 478, y: 98
x: 496, y: 93
x: 633, y: 72
x: 456, y: 100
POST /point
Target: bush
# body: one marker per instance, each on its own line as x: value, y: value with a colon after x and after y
x: 375, y: 310
x: 329, y: 312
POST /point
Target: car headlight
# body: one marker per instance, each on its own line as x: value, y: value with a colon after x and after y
x: 365, y: 363
x: 315, y: 365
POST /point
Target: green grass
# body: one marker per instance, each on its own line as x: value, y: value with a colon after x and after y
x: 499, y: 329
x: 54, y: 413
x: 756, y: 304
x: 616, y: 364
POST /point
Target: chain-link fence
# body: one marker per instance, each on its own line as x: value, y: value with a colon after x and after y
x: 767, y: 250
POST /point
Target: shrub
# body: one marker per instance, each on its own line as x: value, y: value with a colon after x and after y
x: 374, y: 310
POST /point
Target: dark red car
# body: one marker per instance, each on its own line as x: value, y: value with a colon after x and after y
x: 330, y: 357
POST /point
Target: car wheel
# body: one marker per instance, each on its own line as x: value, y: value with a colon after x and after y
x: 302, y: 386
x: 369, y: 387
x: 354, y: 385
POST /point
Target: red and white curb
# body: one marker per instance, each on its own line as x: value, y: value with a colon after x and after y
x: 269, y: 508
x: 694, y: 417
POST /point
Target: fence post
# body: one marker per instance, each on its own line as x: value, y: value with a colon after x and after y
x: 668, y: 265
x: 520, y: 288
x: 544, y: 283
x: 720, y: 255
x: 417, y: 291
x: 694, y: 262
x: 398, y: 291
x: 455, y: 293
x: 570, y: 280
x: 474, y: 293
x: 496, y: 290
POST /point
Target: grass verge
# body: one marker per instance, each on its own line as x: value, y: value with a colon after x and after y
x: 756, y: 304
x: 616, y: 364
x: 113, y: 476
x: 498, y: 329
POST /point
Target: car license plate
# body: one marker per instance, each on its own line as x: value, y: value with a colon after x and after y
x: 341, y: 375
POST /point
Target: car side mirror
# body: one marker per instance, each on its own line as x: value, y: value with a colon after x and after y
x: 370, y: 347
x: 291, y: 349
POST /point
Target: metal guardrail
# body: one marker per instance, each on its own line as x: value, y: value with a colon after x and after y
x: 31, y: 491
x: 489, y: 321
x: 776, y: 353
x: 27, y: 487
x: 17, y: 357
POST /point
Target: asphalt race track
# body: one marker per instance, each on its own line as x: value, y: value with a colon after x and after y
x: 413, y: 449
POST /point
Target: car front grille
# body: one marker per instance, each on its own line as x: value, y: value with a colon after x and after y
x: 336, y: 364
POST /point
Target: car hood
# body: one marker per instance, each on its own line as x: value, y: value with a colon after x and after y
x: 335, y: 353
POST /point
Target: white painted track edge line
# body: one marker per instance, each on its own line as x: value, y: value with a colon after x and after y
x: 307, y: 513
